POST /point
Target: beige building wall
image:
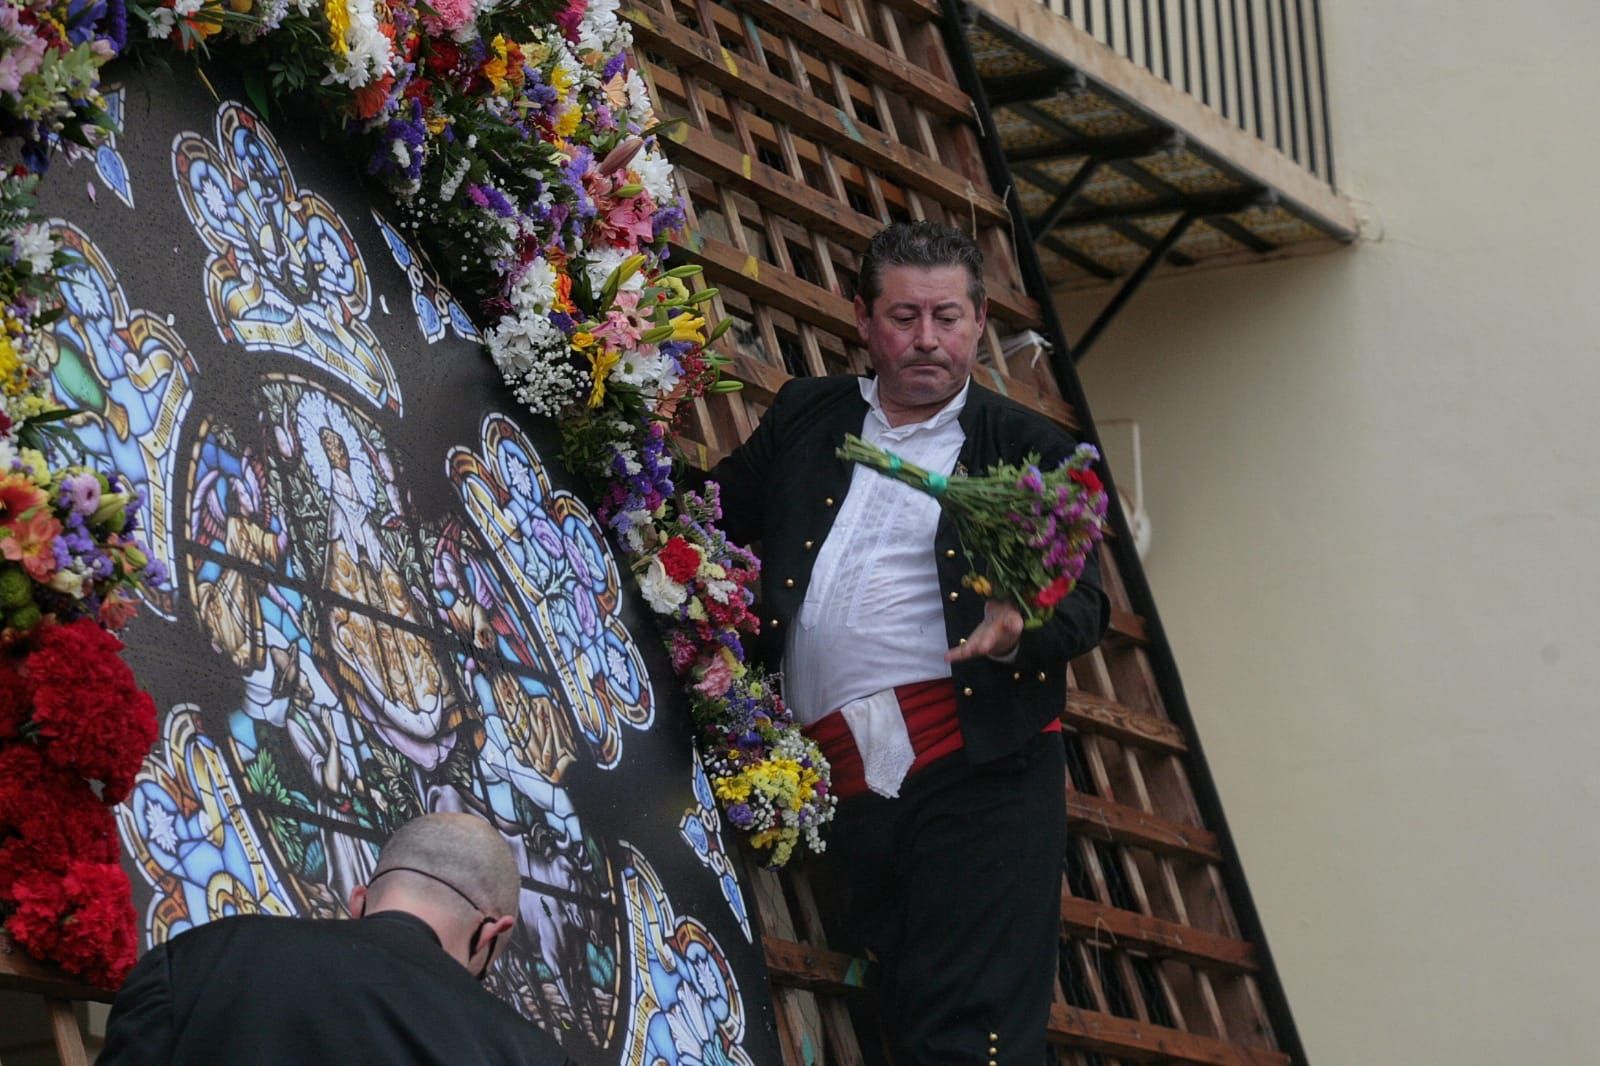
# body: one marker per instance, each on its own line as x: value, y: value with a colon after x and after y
x: 1374, y: 479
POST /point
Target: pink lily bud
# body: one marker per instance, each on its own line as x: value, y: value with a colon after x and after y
x: 621, y: 155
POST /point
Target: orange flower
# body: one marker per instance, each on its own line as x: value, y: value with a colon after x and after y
x: 371, y: 97
x: 30, y: 540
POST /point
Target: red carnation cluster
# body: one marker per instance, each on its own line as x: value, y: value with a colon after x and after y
x: 82, y: 919
x: 74, y: 730
x: 90, y: 714
x: 680, y: 560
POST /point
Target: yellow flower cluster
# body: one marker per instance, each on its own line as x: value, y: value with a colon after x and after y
x: 14, y: 378
x: 338, y: 26
x: 783, y: 781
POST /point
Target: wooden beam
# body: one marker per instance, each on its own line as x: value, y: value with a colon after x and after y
x: 1129, y: 626
x: 1103, y: 819
x: 766, y: 284
x: 799, y: 202
x: 670, y: 84
x: 811, y: 26
x: 921, y: 10
x: 716, y: 66
x: 21, y: 972
x: 1127, y: 929
x: 799, y: 965
x: 65, y: 1033
x: 1136, y: 1041
x: 1107, y: 718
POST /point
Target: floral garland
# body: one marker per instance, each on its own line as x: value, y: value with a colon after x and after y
x: 518, y: 143
x: 74, y: 725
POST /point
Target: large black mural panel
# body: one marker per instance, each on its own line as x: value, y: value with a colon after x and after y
x: 385, y: 597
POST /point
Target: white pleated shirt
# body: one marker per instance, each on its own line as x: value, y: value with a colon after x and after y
x: 873, y: 617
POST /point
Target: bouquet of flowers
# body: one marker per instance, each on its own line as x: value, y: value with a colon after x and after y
x: 51, y: 52
x: 771, y: 779
x: 74, y: 729
x: 1027, y: 531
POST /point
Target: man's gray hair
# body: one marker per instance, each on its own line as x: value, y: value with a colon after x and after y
x: 463, y: 852
x: 920, y: 244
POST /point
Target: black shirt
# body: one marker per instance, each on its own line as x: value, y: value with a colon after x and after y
x: 256, y: 989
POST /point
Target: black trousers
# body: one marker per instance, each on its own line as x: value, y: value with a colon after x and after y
x: 954, y: 888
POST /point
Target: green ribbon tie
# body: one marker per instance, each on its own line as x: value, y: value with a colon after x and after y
x: 936, y: 483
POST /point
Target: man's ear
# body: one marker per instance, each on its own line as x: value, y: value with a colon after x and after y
x: 501, y: 931
x: 983, y: 314
x: 358, y: 901
x: 862, y: 317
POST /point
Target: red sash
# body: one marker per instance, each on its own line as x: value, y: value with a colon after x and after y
x: 929, y: 708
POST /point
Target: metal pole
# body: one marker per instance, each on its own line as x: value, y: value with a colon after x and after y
x: 1131, y: 286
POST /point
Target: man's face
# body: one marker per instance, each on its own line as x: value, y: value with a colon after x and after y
x: 922, y: 334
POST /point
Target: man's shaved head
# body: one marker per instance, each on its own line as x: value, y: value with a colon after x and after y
x: 460, y: 850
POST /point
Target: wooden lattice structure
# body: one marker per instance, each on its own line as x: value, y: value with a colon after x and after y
x: 806, y: 125
x: 22, y: 974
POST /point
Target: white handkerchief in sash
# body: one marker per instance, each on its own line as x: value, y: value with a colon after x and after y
x: 879, y: 729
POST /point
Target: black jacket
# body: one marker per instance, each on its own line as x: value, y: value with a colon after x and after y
x: 256, y: 989
x: 784, y: 485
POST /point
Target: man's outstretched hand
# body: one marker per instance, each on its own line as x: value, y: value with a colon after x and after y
x: 997, y: 635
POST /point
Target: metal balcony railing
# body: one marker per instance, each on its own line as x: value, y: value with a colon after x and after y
x: 1258, y: 62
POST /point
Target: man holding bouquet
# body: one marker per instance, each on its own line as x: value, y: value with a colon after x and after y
x: 938, y: 710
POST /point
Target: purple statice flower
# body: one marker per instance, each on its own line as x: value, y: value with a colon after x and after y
x: 491, y: 198
x: 614, y: 66
x: 83, y: 16
x: 399, y: 154
x: 581, y: 163
x: 535, y: 90
x: 114, y: 25
x: 741, y: 815
x: 666, y: 220
x: 155, y: 573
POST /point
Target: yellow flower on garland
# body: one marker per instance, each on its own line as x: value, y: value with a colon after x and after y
x: 338, y: 26
x: 602, y: 361
x: 495, y: 68
x: 688, y: 327
x: 559, y: 80
x: 567, y: 124
x: 732, y: 789
x: 13, y: 372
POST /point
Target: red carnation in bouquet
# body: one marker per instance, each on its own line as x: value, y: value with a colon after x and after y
x: 13, y: 698
x: 48, y: 817
x: 680, y: 560
x: 81, y: 918
x: 88, y: 711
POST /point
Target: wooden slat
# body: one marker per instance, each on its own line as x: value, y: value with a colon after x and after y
x: 1129, y: 626
x: 1126, y: 929
x: 800, y: 203
x: 1136, y: 1041
x: 766, y: 284
x: 1120, y: 824
x: 818, y: 969
x: 65, y: 1032
x: 1107, y: 718
x: 21, y: 972
x: 715, y: 65
x: 834, y: 39
x: 921, y: 10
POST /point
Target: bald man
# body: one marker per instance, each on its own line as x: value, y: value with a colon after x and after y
x: 397, y: 985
